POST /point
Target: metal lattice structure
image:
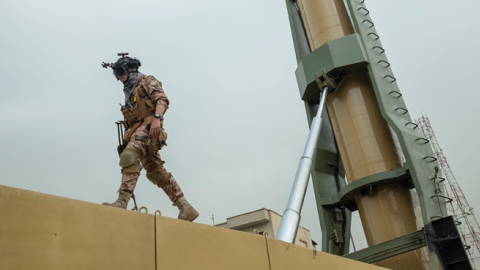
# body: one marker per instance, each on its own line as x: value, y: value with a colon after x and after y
x: 458, y: 207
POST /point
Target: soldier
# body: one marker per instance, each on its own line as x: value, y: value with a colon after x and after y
x: 145, y: 106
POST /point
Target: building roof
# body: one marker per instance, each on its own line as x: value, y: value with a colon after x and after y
x: 263, y: 208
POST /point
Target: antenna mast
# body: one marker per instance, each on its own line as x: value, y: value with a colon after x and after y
x: 459, y: 207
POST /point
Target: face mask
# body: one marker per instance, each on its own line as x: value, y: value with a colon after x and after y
x: 130, y: 84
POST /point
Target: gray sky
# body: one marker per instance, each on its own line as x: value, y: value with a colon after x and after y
x: 236, y: 124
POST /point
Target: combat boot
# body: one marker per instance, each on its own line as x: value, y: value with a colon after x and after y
x: 122, y: 201
x: 187, y: 212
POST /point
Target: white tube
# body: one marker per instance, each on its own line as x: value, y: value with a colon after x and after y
x: 291, y: 217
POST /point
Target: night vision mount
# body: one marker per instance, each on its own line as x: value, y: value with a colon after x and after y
x: 123, y: 65
x: 106, y: 65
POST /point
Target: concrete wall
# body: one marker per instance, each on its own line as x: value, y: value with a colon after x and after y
x: 44, y: 232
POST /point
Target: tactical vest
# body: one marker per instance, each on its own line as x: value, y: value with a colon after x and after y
x: 137, y: 112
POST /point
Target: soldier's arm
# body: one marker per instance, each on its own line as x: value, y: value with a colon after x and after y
x: 156, y: 125
x: 155, y: 91
x: 160, y: 109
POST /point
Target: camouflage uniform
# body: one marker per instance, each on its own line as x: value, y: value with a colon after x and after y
x: 142, y: 96
x: 148, y: 160
x: 149, y: 87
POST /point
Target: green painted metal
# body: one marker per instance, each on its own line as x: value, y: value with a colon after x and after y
x: 420, y: 161
x: 337, y: 57
x: 346, y: 195
x: 358, y: 52
x: 300, y: 40
x: 328, y: 174
x: 328, y: 177
x: 390, y: 248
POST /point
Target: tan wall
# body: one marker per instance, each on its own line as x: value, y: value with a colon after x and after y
x: 303, y: 237
x: 39, y: 231
x: 44, y: 232
x: 229, y: 249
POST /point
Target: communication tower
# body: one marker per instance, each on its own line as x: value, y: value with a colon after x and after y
x: 458, y: 206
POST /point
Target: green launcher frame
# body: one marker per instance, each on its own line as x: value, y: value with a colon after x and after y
x: 363, y: 51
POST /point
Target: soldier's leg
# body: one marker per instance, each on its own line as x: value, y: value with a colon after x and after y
x: 129, y: 182
x: 157, y: 174
x: 163, y: 179
x: 172, y: 189
x: 130, y: 163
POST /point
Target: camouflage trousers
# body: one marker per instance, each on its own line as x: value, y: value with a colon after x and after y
x: 149, y: 160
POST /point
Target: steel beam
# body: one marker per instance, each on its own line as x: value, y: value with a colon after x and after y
x: 390, y: 248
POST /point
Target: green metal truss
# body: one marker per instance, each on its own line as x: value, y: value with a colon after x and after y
x: 361, y: 51
x: 390, y: 248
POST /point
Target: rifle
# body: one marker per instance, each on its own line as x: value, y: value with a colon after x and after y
x: 121, y: 146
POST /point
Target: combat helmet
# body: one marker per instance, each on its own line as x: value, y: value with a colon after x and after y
x: 123, y: 65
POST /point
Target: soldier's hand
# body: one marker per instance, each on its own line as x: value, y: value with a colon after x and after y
x: 155, y: 128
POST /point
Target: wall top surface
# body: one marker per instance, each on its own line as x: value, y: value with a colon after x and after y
x: 40, y: 231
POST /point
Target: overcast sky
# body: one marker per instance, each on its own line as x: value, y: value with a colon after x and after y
x: 236, y: 124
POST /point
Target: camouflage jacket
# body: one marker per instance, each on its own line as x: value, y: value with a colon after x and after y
x: 149, y: 87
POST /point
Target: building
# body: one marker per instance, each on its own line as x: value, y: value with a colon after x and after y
x: 265, y: 220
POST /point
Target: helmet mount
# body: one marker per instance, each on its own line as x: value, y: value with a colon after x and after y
x: 123, y: 65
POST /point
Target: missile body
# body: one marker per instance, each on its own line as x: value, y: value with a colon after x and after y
x: 365, y: 141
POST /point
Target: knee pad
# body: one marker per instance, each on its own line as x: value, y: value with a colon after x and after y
x: 159, y: 178
x: 129, y: 161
